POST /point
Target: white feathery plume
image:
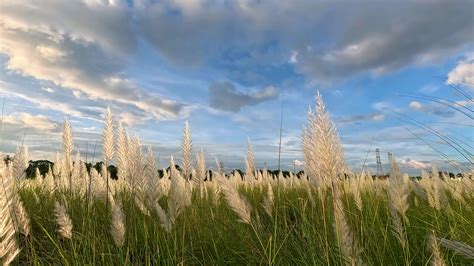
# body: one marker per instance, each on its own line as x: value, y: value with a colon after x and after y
x: 21, y: 216
x: 236, y: 202
x: 268, y: 201
x: 436, y: 258
x: 138, y: 198
x: 97, y: 184
x: 57, y: 174
x: 118, y: 224
x: 68, y: 146
x: 398, y: 191
x: 250, y: 162
x: 16, y: 175
x: 355, y: 189
x: 108, y: 138
x: 164, y: 219
x: 186, y: 151
x: 398, y: 228
x: 20, y: 162
x: 457, y: 190
x: 345, y: 237
x: 201, y: 170
x: 108, y: 145
x: 178, y: 197
x: 8, y: 244
x: 122, y: 154
x: 84, y: 179
x: 436, y: 195
x: 136, y: 167
x: 151, y: 173
x: 76, y: 172
x: 63, y: 221
x: 417, y: 188
x: 322, y: 148
x: 237, y: 177
x: 48, y: 182
x: 165, y: 183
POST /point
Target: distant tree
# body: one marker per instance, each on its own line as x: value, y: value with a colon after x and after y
x: 42, y: 165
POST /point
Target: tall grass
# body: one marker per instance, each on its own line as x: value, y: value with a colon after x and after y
x: 327, y: 216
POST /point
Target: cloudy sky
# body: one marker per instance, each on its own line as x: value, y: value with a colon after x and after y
x: 226, y: 66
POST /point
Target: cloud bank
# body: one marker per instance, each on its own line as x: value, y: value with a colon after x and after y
x: 224, y: 96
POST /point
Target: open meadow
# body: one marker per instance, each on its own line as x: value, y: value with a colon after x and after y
x: 188, y: 215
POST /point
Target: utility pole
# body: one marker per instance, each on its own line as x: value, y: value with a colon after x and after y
x: 281, y: 130
x: 379, y: 162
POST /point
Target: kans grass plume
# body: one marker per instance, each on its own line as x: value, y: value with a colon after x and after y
x: 236, y: 202
x: 118, y: 224
x: 322, y: 149
x: 187, y: 151
x: 436, y: 258
x: 63, y: 221
x: 108, y: 144
x: 8, y: 243
x: 68, y: 146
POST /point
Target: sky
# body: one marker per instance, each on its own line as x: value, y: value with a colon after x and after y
x: 227, y: 67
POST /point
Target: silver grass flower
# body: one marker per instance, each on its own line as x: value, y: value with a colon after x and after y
x: 436, y: 258
x: 118, y: 224
x: 122, y: 154
x: 8, y: 244
x: 322, y: 148
x: 63, y: 221
x: 186, y: 151
x: 68, y: 146
x: 165, y: 221
x: 250, y: 161
x: 236, y: 202
x: 269, y: 201
x: 201, y: 171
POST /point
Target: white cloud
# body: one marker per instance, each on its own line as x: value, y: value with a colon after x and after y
x: 414, y: 164
x: 463, y: 73
x: 415, y: 105
x: 298, y: 163
x: 433, y: 108
x: 293, y: 57
x: 48, y: 89
x: 383, y: 105
x: 81, y: 46
x: 25, y: 120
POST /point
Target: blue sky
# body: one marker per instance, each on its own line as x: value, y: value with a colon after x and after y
x: 225, y: 66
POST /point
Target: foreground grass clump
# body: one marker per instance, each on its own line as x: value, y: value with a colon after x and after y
x: 300, y: 230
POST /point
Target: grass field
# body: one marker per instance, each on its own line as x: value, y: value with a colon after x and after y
x: 328, y: 216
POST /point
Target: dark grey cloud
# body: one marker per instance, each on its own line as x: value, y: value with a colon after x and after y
x: 375, y: 117
x: 367, y: 36
x: 225, y: 96
x: 385, y: 36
